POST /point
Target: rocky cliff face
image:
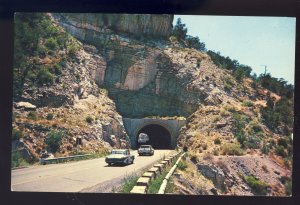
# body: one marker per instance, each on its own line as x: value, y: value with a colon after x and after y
x: 72, y: 104
x: 137, y: 25
x: 143, y: 75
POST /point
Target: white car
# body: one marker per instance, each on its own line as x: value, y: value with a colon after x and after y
x: 119, y: 156
x: 146, y: 150
x: 143, y: 138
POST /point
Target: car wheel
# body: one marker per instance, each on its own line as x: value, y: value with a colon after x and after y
x: 109, y: 164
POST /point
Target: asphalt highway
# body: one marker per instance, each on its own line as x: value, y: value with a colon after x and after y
x: 77, y: 176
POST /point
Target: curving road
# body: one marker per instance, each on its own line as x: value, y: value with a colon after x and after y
x: 78, y: 176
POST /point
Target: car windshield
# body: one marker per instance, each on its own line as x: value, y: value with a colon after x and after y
x: 118, y: 152
x: 145, y: 146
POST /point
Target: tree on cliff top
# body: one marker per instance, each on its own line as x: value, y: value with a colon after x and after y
x: 179, y: 30
x: 194, y: 42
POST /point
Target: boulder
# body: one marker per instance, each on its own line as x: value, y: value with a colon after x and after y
x: 215, y: 174
x: 25, y: 105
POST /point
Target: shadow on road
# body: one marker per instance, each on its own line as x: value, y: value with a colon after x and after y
x: 117, y: 165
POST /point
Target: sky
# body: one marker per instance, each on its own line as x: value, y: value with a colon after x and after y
x: 253, y: 41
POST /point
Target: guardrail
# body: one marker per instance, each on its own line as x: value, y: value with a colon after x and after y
x: 44, y: 161
x: 143, y: 182
x: 165, y: 181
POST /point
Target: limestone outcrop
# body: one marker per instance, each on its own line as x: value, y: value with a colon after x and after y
x: 84, y: 24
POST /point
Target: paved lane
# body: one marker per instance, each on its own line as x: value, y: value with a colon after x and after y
x: 75, y: 176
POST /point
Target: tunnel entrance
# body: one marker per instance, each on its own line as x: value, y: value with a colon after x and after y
x: 159, y: 137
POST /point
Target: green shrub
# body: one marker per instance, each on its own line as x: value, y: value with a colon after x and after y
x: 282, y: 142
x: 17, y: 160
x: 182, y: 165
x: 265, y: 148
x: 272, y: 142
x: 53, y: 140
x: 288, y: 187
x: 241, y: 71
x: 51, y: 44
x: 45, y: 77
x: 287, y: 182
x: 89, y: 119
x: 32, y: 115
x: 62, y: 38
x: 290, y: 150
x: 255, y: 128
x: 227, y: 87
x: 56, y: 69
x: 49, y: 116
x: 229, y: 81
x: 280, y: 151
x: 31, y: 75
x: 42, y: 51
x: 217, y: 118
x: 129, y: 183
x: 51, y: 53
x: 252, y: 142
x: 217, y: 141
x: 258, y: 186
x: 216, y: 152
x: 72, y: 49
x: 232, y: 149
x: 239, y: 124
x: 63, y: 63
x: 281, y: 114
x: 247, y: 104
x: 284, y: 179
x: 16, y: 134
x: 156, y: 183
x: 224, y: 112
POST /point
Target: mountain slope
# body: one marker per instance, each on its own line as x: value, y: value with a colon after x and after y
x: 237, y: 134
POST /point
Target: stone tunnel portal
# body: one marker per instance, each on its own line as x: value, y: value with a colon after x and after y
x: 159, y: 137
x: 162, y: 133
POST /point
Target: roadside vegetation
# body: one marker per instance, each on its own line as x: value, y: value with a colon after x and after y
x: 37, y: 44
x: 259, y: 187
x: 53, y: 140
x: 18, y: 161
x: 232, y: 149
x: 287, y: 182
x: 154, y: 185
x: 129, y: 183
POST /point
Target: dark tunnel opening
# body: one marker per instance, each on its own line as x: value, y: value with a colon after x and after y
x: 159, y: 137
